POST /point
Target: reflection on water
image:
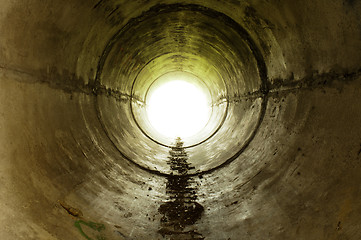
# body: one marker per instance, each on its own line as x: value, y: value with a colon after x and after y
x: 181, y: 211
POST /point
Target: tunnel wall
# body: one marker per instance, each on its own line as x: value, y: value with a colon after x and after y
x: 297, y: 179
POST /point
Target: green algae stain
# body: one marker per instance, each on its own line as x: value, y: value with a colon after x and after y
x: 95, y: 226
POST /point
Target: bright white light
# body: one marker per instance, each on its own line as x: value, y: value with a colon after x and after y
x: 178, y: 109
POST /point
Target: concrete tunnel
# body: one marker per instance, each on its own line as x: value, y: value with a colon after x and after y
x: 279, y: 156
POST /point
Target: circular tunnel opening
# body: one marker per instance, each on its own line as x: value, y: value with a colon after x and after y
x: 210, y: 51
x: 277, y: 158
x: 178, y: 105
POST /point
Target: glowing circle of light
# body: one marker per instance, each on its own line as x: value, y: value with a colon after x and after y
x: 178, y: 108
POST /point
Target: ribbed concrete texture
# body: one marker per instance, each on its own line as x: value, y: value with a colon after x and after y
x: 280, y: 157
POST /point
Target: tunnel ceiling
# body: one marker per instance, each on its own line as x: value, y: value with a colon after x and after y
x: 278, y: 159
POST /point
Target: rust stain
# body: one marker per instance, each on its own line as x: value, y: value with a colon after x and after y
x: 72, y: 211
x: 345, y: 208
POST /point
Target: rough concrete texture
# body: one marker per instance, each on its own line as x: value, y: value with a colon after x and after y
x: 280, y: 160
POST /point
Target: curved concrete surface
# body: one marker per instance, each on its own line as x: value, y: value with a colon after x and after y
x: 280, y: 157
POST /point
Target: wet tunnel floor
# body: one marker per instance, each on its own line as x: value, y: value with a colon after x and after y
x: 181, y: 211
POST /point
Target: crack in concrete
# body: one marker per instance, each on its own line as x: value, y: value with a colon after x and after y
x: 313, y: 82
x: 289, y: 85
x: 275, y: 89
x: 71, y: 85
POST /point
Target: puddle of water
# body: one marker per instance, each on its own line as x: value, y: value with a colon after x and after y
x: 181, y: 211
